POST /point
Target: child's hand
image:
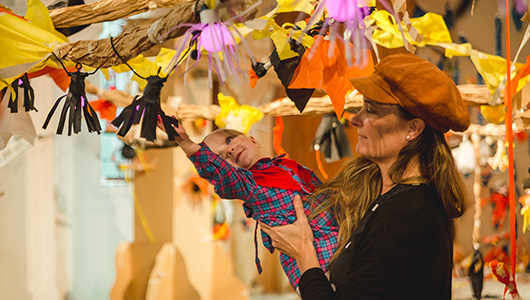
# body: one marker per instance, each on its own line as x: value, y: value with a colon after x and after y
x: 182, y: 137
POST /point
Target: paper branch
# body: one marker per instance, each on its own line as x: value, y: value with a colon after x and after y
x: 131, y: 43
x: 104, y: 11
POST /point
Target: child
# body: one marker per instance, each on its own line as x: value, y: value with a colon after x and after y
x: 235, y: 165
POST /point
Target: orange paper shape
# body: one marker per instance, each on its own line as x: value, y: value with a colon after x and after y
x: 59, y: 76
x: 277, y: 131
x: 106, y: 109
x: 329, y: 71
x: 523, y: 71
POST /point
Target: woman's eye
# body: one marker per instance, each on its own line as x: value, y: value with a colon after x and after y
x: 228, y: 140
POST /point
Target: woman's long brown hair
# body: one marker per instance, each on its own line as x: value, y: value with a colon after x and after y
x: 358, y: 183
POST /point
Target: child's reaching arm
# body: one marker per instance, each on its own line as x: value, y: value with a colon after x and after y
x: 229, y: 182
x: 188, y: 146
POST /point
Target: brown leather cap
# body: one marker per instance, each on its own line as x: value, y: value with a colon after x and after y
x: 420, y: 88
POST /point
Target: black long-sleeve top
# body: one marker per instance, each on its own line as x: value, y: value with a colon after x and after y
x: 401, y: 249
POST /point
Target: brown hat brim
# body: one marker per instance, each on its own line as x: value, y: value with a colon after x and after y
x: 375, y: 88
x: 419, y: 87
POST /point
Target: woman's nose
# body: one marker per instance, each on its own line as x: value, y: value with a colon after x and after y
x: 355, y: 120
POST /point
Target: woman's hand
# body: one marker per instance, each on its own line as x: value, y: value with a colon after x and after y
x: 295, y: 240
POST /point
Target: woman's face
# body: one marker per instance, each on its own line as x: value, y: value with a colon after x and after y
x: 382, y: 131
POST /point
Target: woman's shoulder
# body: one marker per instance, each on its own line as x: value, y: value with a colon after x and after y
x: 412, y: 198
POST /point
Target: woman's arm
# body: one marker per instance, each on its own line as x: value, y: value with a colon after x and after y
x: 296, y: 239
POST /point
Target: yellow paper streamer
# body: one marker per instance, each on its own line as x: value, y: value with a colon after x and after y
x: 387, y: 34
x: 26, y: 45
x: 280, y: 37
x: 434, y: 31
x: 294, y: 5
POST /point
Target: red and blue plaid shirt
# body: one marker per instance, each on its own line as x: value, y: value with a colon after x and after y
x: 271, y: 204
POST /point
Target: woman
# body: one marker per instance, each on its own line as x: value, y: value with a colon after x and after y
x: 397, y: 201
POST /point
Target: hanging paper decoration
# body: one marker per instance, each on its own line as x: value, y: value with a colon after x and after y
x: 464, y: 156
x: 146, y: 108
x: 525, y: 201
x: 197, y: 189
x: 106, y: 109
x: 23, y: 90
x: 493, y: 114
x: 285, y: 69
x: 19, y: 124
x: 476, y: 274
x: 26, y: 42
x: 290, y: 43
x: 234, y: 116
x: 329, y: 71
x: 277, y: 134
x: 257, y: 71
x: 499, y: 161
x: 343, y: 22
x: 330, y: 139
x: 386, y: 33
x: 519, y: 8
x: 499, y: 197
x: 75, y: 103
x: 219, y: 40
x: 503, y: 275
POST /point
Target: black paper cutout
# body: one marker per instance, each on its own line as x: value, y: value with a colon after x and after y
x: 76, y: 102
x: 18, y: 84
x: 476, y: 274
x: 330, y: 139
x: 146, y: 107
x: 285, y: 70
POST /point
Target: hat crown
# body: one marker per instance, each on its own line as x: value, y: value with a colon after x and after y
x: 422, y: 89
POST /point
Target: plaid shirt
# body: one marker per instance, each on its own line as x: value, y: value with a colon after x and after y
x: 271, y: 205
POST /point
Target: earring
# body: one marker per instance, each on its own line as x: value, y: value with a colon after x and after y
x: 407, y: 138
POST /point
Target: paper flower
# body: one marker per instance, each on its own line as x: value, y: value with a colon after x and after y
x: 343, y: 22
x: 217, y: 39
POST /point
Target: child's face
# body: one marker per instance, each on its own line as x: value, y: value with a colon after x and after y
x: 238, y: 150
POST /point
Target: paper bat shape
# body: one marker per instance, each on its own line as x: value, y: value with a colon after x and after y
x: 330, y: 139
x: 23, y: 90
x: 146, y: 108
x: 75, y: 103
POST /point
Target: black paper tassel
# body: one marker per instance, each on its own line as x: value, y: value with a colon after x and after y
x: 330, y: 139
x: 76, y: 101
x: 22, y: 84
x: 146, y: 108
x: 476, y: 274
